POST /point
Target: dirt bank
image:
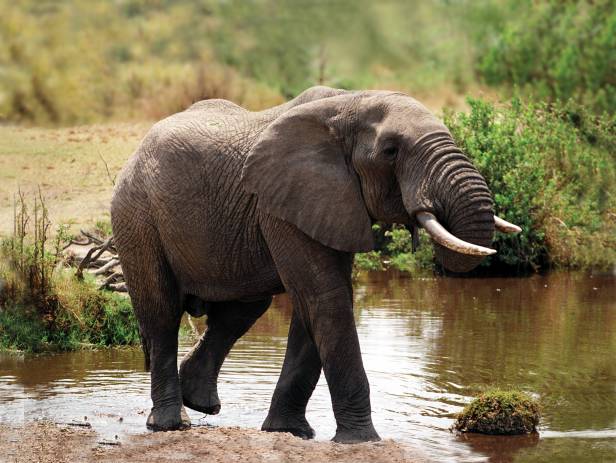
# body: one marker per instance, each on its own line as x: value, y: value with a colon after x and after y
x: 44, y: 442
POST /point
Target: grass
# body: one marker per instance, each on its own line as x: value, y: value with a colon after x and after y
x: 81, y: 316
x: 70, y: 165
x: 498, y: 411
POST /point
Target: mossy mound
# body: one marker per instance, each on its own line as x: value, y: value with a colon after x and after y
x: 499, y: 412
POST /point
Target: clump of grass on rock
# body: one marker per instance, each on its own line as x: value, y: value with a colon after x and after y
x: 499, y: 412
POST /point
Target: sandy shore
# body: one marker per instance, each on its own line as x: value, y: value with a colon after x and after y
x: 45, y: 442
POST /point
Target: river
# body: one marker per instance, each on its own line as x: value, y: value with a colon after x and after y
x: 429, y: 345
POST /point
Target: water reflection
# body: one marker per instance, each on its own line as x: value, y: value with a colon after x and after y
x: 428, y: 345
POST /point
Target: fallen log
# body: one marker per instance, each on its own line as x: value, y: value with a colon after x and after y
x: 113, y: 262
x: 118, y: 287
x: 92, y: 255
x: 100, y: 260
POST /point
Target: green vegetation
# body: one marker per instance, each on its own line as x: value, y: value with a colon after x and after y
x: 42, y: 305
x: 558, y: 51
x: 552, y: 169
x: 394, y: 249
x: 75, y: 62
x: 497, y: 411
x: 88, y: 317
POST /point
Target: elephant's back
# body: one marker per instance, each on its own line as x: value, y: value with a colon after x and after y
x: 188, y: 167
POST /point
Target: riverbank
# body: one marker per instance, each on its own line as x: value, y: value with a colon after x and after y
x: 46, y: 442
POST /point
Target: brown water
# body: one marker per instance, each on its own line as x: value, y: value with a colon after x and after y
x: 428, y: 346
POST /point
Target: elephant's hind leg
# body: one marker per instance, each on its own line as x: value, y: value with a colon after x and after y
x: 226, y: 323
x: 153, y: 291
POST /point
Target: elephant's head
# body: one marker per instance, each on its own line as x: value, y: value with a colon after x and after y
x: 335, y: 165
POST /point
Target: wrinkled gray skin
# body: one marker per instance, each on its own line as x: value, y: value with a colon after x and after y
x: 220, y: 208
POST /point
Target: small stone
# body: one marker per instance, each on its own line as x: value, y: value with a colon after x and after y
x: 499, y: 412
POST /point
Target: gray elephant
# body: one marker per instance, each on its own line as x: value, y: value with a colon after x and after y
x: 220, y: 208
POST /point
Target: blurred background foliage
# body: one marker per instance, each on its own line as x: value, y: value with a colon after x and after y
x: 72, y: 61
x: 543, y: 73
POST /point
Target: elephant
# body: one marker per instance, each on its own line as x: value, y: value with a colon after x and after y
x: 220, y: 208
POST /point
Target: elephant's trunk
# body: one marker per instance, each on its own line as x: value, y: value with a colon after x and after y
x: 438, y: 178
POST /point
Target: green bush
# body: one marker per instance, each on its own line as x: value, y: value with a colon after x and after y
x: 110, y: 320
x: 394, y: 250
x: 552, y: 170
x: 370, y: 261
x: 558, y: 50
x: 401, y: 255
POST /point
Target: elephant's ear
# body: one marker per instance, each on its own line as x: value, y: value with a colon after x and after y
x: 299, y: 172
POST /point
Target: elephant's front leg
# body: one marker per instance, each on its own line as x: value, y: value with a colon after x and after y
x: 227, y: 322
x: 334, y: 333
x: 299, y: 376
x: 319, y: 280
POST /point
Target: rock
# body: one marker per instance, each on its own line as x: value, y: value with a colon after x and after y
x: 499, y: 412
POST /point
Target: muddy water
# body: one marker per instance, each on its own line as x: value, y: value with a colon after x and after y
x: 428, y: 346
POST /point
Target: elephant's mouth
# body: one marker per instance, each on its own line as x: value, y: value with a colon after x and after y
x: 440, y: 235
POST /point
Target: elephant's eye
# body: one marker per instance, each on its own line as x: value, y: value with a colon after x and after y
x: 390, y: 152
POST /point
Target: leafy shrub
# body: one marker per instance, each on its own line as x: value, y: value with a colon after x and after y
x: 558, y: 50
x: 370, y: 261
x: 552, y: 170
x: 30, y: 254
x: 82, y: 315
x: 400, y: 251
x: 394, y: 250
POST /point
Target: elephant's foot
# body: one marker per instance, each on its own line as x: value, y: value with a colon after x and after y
x: 298, y: 426
x: 171, y: 418
x: 197, y: 392
x: 204, y: 400
x: 356, y: 436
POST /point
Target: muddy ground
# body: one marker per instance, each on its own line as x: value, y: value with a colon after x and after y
x: 44, y: 442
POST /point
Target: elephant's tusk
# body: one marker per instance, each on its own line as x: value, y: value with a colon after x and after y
x: 506, y: 227
x: 446, y: 239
